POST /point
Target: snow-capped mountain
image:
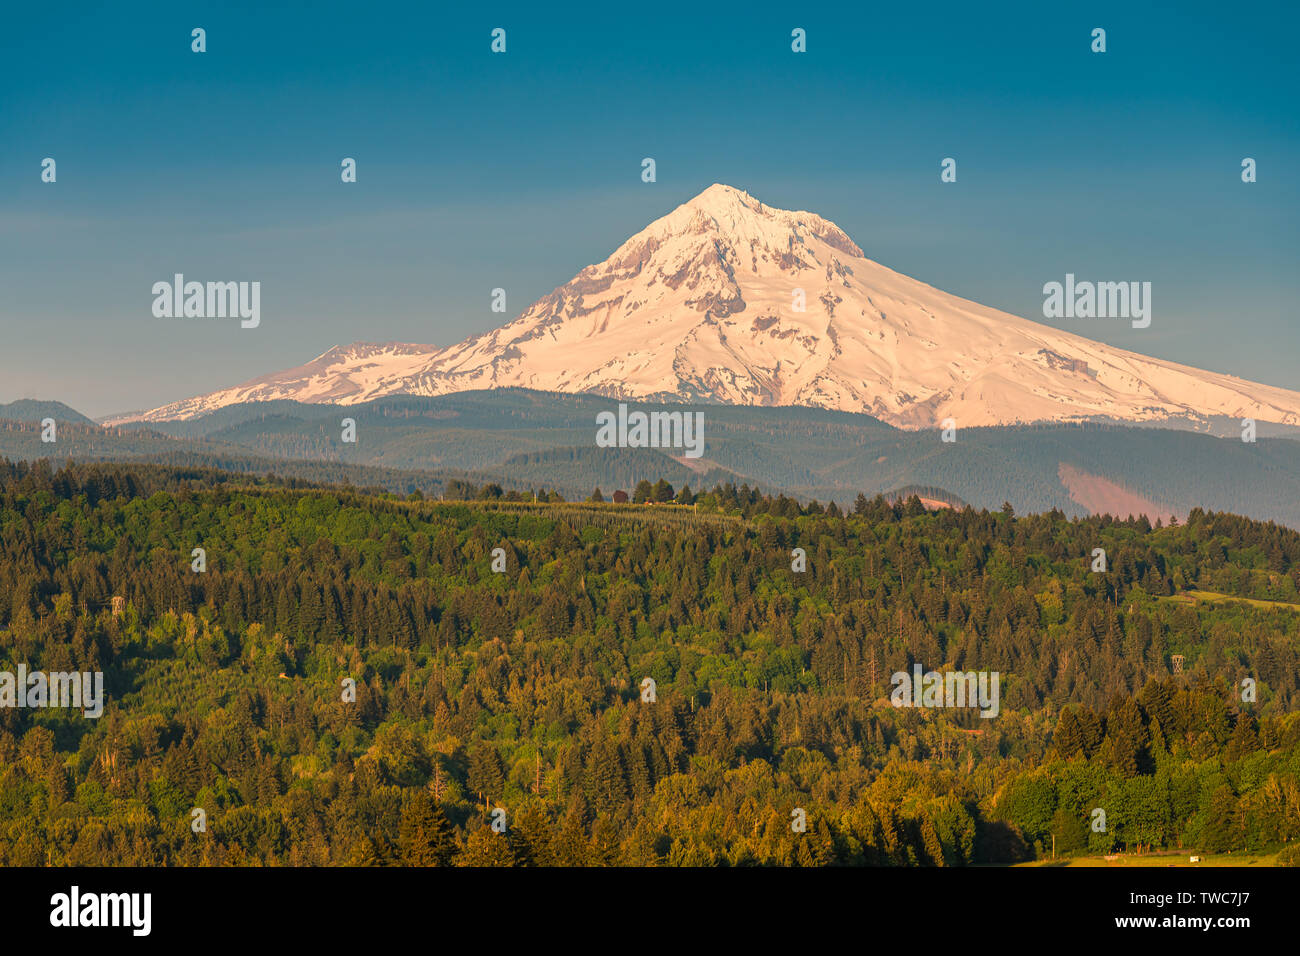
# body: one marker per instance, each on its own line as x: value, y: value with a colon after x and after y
x: 702, y: 305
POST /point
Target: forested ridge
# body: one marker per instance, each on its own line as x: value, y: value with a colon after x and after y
x: 522, y: 689
x: 521, y: 438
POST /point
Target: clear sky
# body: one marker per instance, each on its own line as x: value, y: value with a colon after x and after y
x: 478, y: 170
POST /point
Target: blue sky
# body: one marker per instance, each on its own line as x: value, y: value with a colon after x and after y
x: 478, y: 170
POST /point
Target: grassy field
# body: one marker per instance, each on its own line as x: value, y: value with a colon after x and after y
x: 1181, y: 858
x: 1214, y: 597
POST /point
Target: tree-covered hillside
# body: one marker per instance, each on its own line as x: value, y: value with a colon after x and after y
x: 524, y: 689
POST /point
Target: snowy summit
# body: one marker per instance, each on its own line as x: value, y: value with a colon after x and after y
x: 704, y: 305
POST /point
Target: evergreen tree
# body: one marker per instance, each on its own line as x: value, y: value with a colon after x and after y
x: 426, y: 837
x: 487, y: 775
x: 485, y: 847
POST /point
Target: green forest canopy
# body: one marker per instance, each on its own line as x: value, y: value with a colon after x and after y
x: 521, y: 690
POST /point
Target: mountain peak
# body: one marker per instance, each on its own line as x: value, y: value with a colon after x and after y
x: 727, y: 300
x: 741, y: 221
x: 720, y: 196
